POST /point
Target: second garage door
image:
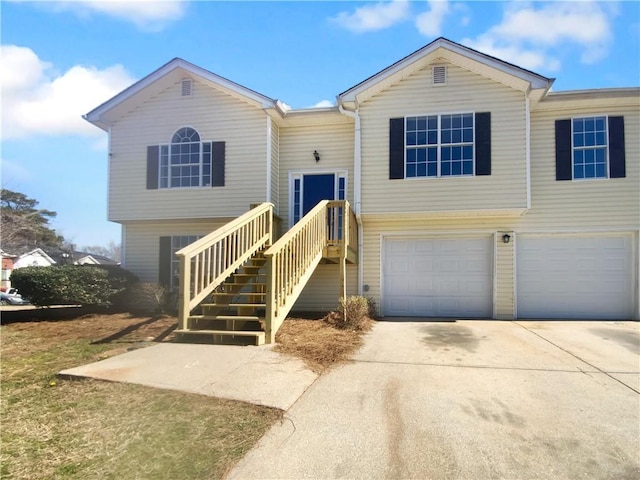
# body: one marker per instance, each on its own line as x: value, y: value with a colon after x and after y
x: 575, y: 276
x: 438, y: 277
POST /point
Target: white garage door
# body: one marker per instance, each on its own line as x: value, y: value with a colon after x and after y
x: 575, y: 277
x: 438, y: 277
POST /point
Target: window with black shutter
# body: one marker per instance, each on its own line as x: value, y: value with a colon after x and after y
x: 445, y: 145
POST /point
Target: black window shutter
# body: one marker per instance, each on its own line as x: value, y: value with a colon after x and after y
x: 153, y: 161
x: 616, y: 147
x: 217, y: 164
x: 164, y: 262
x: 563, y: 150
x: 483, y: 143
x: 396, y: 148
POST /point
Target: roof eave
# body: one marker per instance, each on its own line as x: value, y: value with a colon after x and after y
x: 535, y: 80
x: 96, y: 116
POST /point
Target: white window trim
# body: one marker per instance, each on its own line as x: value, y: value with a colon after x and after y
x: 173, y: 259
x: 298, y: 174
x: 606, y: 165
x: 439, y: 145
x: 200, y: 163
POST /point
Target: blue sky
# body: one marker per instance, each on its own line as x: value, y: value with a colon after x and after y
x: 62, y: 59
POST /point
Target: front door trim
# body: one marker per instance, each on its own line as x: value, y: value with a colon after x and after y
x: 299, y: 174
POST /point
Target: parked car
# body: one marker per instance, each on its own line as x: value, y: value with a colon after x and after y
x: 12, y: 297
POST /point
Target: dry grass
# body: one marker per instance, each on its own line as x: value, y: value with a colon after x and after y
x: 319, y: 342
x: 53, y: 428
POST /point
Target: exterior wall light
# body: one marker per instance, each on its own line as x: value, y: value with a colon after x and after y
x: 316, y: 155
x: 506, y: 238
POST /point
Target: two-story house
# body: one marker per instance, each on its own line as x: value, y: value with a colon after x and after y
x: 472, y: 191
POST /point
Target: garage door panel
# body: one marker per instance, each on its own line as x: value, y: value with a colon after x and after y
x: 575, y: 277
x: 444, y: 277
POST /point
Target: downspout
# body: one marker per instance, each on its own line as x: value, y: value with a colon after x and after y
x: 527, y: 136
x: 357, y: 182
x: 268, y: 196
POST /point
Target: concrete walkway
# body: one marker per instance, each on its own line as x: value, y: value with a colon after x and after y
x: 251, y: 374
x: 468, y: 400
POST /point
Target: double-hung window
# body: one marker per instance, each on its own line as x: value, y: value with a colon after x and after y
x: 590, y: 148
x: 185, y: 162
x: 589, y: 136
x: 439, y: 145
x: 169, y: 262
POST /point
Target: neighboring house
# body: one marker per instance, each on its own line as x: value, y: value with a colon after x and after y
x: 64, y: 257
x: 41, y: 258
x: 478, y: 192
x: 93, y: 259
x: 34, y: 258
x: 7, y: 268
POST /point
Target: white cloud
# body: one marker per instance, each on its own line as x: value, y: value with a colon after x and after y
x: 517, y: 54
x: 36, y: 100
x: 526, y: 33
x: 322, y: 104
x: 151, y: 15
x: 374, y: 17
x: 430, y: 23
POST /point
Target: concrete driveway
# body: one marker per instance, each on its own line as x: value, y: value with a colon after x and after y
x: 468, y: 400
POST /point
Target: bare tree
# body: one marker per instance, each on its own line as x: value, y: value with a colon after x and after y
x: 112, y: 250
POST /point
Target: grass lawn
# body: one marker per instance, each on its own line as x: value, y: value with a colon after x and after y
x: 83, y: 429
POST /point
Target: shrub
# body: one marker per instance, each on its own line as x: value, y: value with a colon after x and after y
x: 64, y: 285
x: 353, y: 313
x: 119, y: 278
x: 146, y: 298
x: 71, y: 284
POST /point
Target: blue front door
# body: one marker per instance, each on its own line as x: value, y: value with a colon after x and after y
x: 316, y: 188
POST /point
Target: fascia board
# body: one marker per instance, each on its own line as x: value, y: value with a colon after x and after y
x: 96, y: 116
x: 531, y: 79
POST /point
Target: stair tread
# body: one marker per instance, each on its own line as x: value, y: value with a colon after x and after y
x: 245, y: 333
x: 239, y: 294
x: 254, y: 318
x: 233, y: 305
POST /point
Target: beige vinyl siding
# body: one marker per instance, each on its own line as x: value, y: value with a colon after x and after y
x: 582, y: 204
x: 143, y: 243
x: 217, y: 117
x: 504, y: 295
x: 275, y: 167
x: 377, y: 228
x: 334, y: 143
x: 465, y: 91
x: 322, y: 293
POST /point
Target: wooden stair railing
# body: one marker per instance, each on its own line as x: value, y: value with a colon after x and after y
x: 293, y: 258
x: 206, y: 263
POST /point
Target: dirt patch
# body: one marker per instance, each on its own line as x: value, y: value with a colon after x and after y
x: 102, y: 328
x: 122, y: 331
x: 319, y: 343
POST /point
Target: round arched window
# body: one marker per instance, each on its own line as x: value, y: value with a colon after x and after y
x: 185, y: 135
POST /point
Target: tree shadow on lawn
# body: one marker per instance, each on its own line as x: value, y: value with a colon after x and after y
x: 56, y: 313
x: 132, y: 328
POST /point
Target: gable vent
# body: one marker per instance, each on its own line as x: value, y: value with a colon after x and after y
x: 187, y: 87
x: 439, y: 75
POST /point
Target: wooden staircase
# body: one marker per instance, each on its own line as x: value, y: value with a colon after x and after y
x: 237, y: 285
x: 235, y: 312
